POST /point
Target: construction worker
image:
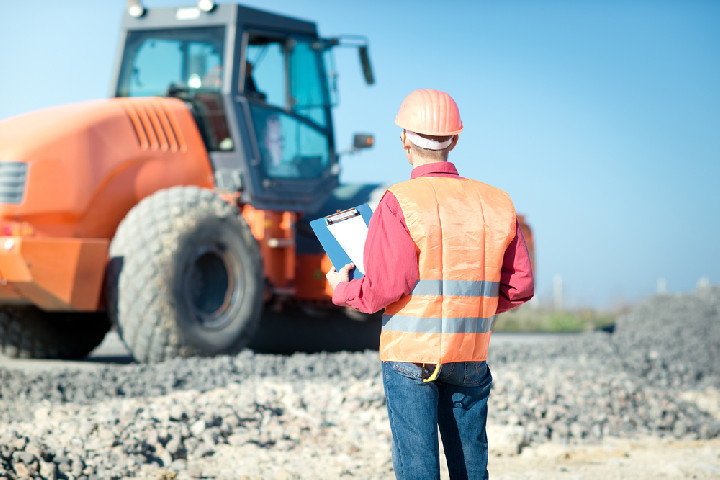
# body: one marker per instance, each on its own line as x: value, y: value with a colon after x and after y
x: 444, y: 255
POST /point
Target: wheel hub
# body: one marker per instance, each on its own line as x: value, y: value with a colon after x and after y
x: 212, y: 287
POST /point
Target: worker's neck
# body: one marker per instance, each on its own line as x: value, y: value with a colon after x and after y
x: 420, y: 161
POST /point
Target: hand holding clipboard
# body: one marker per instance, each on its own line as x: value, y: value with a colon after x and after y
x: 343, y: 235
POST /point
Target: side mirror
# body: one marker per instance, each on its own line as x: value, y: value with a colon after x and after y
x: 363, y: 140
x: 352, y: 41
x: 365, y: 63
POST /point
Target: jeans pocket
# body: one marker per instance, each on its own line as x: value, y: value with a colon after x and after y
x: 477, y: 374
x: 407, y: 369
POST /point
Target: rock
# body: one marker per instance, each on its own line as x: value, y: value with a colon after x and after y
x: 197, y: 428
x: 176, y: 448
x: 23, y: 471
x: 48, y: 470
x: 165, y: 475
x: 25, y: 457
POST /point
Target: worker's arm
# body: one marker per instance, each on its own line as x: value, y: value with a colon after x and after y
x: 517, y: 285
x: 390, y: 257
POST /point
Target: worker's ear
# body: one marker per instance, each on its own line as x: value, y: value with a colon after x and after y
x: 454, y: 142
x: 405, y: 140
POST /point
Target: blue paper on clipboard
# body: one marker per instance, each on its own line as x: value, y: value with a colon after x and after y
x: 343, y: 235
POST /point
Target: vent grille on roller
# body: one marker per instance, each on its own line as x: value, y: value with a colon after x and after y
x: 12, y: 182
x: 154, y: 126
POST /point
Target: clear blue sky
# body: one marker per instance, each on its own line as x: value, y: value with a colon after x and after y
x: 600, y: 118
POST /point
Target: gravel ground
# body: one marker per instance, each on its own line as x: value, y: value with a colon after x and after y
x: 323, y: 415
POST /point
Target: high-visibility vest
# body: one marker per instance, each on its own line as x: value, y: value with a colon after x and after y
x: 461, y: 229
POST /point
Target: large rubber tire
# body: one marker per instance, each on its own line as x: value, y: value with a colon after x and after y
x: 29, y: 332
x: 185, y: 277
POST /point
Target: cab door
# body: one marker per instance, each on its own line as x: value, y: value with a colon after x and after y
x: 285, y: 101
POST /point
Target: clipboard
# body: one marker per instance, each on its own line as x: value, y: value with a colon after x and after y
x: 343, y: 235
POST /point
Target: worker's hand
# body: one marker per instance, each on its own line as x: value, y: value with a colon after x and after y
x: 336, y: 276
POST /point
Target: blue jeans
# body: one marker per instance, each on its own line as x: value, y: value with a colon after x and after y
x: 456, y: 402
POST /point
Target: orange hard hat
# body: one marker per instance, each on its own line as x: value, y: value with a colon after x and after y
x: 429, y: 112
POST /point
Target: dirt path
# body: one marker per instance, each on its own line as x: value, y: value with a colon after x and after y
x: 636, y: 459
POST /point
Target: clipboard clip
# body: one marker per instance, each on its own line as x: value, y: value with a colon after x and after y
x: 341, y: 215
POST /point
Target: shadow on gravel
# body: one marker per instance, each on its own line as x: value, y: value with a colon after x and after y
x: 114, y: 359
x: 286, y: 332
x: 295, y: 330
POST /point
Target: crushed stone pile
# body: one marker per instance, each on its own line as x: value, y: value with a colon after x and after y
x: 673, y: 340
x: 248, y: 416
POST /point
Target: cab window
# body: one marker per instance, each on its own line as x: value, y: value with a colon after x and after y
x: 306, y: 87
x: 287, y: 93
x: 157, y: 61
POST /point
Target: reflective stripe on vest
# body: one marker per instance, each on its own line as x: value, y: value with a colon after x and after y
x: 399, y: 323
x: 461, y: 229
x: 461, y: 288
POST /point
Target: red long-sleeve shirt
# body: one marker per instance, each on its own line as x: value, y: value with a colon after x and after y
x: 391, y: 263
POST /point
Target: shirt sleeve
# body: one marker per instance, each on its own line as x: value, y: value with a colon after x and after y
x: 517, y: 284
x: 390, y: 258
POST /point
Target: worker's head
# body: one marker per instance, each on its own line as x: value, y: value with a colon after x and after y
x: 430, y: 120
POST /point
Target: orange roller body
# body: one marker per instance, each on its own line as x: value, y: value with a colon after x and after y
x: 84, y: 166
